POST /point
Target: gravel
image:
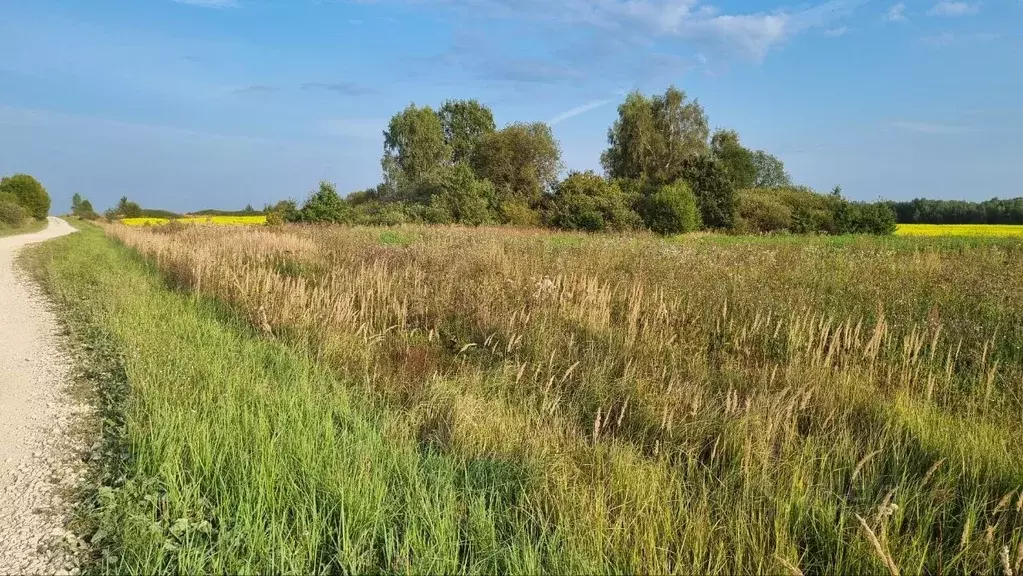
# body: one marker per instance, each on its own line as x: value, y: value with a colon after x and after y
x: 37, y: 450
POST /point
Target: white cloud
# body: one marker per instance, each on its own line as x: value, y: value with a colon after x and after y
x: 835, y: 32
x: 951, y: 8
x: 593, y: 105
x: 897, y: 13
x: 929, y: 127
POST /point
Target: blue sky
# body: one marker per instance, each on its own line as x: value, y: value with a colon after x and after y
x: 186, y: 104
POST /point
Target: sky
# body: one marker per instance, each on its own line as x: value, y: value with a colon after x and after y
x: 191, y: 104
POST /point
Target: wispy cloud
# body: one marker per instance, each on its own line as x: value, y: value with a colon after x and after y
x: 953, y: 9
x: 897, y: 13
x: 581, y: 109
x: 952, y: 38
x: 835, y: 32
x: 929, y: 127
x: 343, y: 88
x: 209, y: 3
x: 253, y: 90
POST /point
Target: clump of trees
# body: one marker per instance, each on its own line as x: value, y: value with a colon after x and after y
x: 21, y: 197
x: 82, y: 208
x: 664, y: 170
x: 994, y: 211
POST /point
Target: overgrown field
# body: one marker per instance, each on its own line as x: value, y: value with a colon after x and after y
x: 978, y: 230
x: 328, y: 399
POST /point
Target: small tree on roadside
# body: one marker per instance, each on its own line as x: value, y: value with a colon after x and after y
x: 28, y: 193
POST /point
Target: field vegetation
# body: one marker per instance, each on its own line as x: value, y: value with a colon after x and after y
x: 974, y: 230
x: 330, y: 399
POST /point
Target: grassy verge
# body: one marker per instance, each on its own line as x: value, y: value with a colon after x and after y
x: 30, y: 225
x: 230, y: 453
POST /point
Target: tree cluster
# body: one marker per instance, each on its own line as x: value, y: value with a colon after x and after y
x: 21, y: 197
x: 664, y: 170
x: 994, y: 211
x: 82, y: 208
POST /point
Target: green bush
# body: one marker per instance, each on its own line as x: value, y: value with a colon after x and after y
x: 11, y: 214
x: 761, y: 213
x: 519, y: 213
x: 29, y: 194
x: 672, y: 209
x: 325, y: 205
x: 586, y: 201
x: 709, y: 181
x: 457, y: 192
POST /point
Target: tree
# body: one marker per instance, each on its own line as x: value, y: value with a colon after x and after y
x: 521, y: 160
x: 672, y: 209
x: 28, y: 193
x: 126, y: 209
x: 465, y: 123
x: 585, y: 201
x: 325, y: 205
x: 714, y: 192
x: 770, y: 171
x: 82, y: 208
x: 736, y: 158
x: 414, y: 145
x: 653, y: 136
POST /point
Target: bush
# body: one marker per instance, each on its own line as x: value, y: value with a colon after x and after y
x: 519, y: 213
x: 29, y: 194
x: 864, y: 218
x: 11, y: 214
x: 761, y: 213
x: 585, y: 201
x: 325, y: 205
x: 672, y: 210
x: 456, y: 192
x: 709, y: 181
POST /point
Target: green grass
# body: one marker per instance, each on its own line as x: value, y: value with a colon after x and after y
x: 243, y: 455
x: 622, y: 421
x: 30, y: 225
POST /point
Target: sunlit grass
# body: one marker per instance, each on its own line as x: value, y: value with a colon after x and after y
x: 336, y: 400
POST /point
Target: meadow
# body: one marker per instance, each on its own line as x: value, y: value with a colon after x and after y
x: 328, y: 399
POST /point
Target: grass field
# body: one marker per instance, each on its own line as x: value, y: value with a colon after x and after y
x: 977, y: 230
x: 217, y: 220
x: 314, y: 400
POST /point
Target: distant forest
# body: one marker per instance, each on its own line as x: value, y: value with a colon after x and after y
x: 924, y: 211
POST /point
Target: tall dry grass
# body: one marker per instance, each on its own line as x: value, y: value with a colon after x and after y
x: 698, y: 406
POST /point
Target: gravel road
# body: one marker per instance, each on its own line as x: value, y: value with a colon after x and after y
x: 36, y: 416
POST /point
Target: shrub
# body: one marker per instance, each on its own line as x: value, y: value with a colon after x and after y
x: 864, y: 218
x: 29, y: 194
x: 586, y: 201
x: 457, y: 192
x: 713, y: 189
x: 325, y: 205
x: 761, y: 213
x: 274, y: 219
x: 11, y: 213
x: 672, y: 210
x: 519, y: 213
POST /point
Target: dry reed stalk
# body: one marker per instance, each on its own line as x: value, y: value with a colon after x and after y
x: 889, y: 563
x: 1003, y: 556
x: 792, y: 570
x: 934, y: 468
x: 863, y: 462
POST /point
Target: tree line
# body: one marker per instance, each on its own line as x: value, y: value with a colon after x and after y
x: 663, y: 170
x: 994, y: 211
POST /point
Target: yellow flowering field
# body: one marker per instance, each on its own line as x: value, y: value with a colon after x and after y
x: 990, y: 230
x: 218, y: 220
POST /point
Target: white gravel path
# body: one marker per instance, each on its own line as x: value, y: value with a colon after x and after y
x: 36, y: 415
